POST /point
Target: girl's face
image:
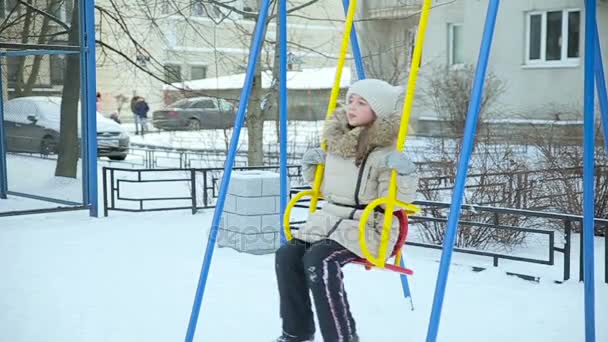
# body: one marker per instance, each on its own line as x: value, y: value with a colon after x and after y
x: 359, y: 112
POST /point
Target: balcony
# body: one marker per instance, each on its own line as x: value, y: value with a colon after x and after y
x: 393, y: 9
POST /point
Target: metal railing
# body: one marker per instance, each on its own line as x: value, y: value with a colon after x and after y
x: 203, y: 188
x: 566, y: 219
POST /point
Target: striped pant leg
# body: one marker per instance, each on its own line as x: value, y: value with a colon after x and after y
x: 295, y: 304
x: 323, y: 262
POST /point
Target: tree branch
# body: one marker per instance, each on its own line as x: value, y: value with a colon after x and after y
x: 43, y: 13
x: 128, y: 59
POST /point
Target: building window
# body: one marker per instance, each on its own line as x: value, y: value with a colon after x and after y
x: 164, y: 7
x: 250, y: 7
x: 12, y: 70
x: 198, y: 72
x: 455, y: 44
x: 199, y: 9
x: 553, y: 37
x: 173, y: 73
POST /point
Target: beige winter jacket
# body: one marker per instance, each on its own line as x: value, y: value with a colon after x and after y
x: 347, y: 188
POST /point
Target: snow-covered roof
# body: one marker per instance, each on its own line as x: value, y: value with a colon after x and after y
x: 305, y: 79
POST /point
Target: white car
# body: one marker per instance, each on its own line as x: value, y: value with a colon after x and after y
x: 32, y: 125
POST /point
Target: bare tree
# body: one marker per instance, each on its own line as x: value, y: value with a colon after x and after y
x: 34, y: 23
x: 28, y: 20
x: 559, y: 186
x: 493, y: 180
x: 68, y: 148
x: 262, y: 105
x: 447, y: 92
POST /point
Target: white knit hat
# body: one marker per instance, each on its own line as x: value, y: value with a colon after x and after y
x: 383, y: 98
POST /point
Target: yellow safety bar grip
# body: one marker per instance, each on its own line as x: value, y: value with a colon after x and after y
x: 369, y: 210
x: 290, y: 206
x: 387, y: 225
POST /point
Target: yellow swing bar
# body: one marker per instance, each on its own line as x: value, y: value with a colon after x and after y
x: 315, y: 193
x: 391, y: 200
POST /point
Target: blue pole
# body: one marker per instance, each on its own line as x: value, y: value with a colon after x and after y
x: 601, y: 86
x: 588, y: 170
x: 463, y: 163
x: 219, y: 208
x: 354, y: 41
x: 283, y: 109
x: 88, y: 106
x: 404, y: 284
x: 3, y: 168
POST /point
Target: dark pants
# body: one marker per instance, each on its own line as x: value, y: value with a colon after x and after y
x: 302, y: 267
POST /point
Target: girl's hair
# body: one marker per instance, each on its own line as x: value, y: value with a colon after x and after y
x: 363, y: 147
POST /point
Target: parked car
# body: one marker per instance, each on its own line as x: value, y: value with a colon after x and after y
x: 32, y: 125
x: 194, y: 114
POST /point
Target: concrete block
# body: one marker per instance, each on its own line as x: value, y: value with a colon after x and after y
x: 230, y: 204
x: 226, y: 238
x: 256, y: 205
x: 271, y: 223
x: 251, y: 220
x: 242, y: 223
x: 243, y: 184
x: 271, y: 186
x: 249, y: 183
x: 260, y: 243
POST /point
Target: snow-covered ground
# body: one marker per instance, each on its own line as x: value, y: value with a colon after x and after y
x: 302, y: 135
x: 132, y: 277
x: 300, y: 132
x: 36, y: 176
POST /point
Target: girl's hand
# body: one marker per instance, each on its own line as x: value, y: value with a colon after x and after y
x: 314, y: 156
x: 398, y: 161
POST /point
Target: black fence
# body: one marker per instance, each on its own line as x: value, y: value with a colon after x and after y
x: 566, y: 219
x: 529, y: 189
x: 204, y: 185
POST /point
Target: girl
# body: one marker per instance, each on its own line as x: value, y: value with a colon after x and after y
x: 360, y: 155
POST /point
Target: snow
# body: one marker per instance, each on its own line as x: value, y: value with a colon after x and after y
x: 35, y: 176
x: 48, y: 112
x: 132, y: 277
x: 517, y: 121
x: 307, y: 79
x: 299, y: 132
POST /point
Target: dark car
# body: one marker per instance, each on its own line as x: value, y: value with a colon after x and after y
x: 194, y: 114
x: 32, y: 126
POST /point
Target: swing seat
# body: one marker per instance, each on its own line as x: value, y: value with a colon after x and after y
x: 403, y: 229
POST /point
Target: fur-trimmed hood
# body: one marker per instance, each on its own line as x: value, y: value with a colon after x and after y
x: 350, y: 142
x: 349, y: 183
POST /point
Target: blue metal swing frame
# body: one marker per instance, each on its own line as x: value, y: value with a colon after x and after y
x: 594, y: 75
x: 86, y: 50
